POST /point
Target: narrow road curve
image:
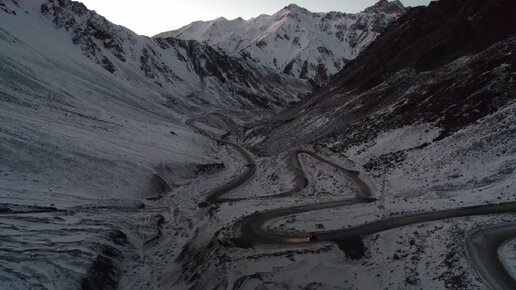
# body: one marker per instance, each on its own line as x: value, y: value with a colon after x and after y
x: 253, y: 232
x: 216, y: 196
x: 300, y: 181
x: 482, y: 246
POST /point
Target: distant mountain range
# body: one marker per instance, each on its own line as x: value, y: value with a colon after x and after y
x: 294, y: 40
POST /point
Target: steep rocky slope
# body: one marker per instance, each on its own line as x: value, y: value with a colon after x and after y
x: 427, y: 109
x: 448, y: 65
x: 92, y: 125
x: 188, y: 72
x: 296, y: 41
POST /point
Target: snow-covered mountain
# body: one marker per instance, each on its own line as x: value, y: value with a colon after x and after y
x: 296, y: 41
x: 450, y: 65
x: 188, y: 72
x: 68, y: 66
x: 92, y: 124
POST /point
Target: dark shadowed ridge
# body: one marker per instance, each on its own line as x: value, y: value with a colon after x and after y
x: 448, y: 64
x: 426, y: 38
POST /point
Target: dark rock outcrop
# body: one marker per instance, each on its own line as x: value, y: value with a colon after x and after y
x: 426, y: 38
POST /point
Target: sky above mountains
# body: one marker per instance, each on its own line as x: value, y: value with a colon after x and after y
x: 155, y: 16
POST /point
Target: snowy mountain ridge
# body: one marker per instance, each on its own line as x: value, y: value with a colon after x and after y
x: 294, y: 40
x: 129, y: 162
x: 92, y: 125
x: 192, y: 72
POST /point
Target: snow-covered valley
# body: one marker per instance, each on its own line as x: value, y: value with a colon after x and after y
x: 158, y: 163
x: 92, y: 124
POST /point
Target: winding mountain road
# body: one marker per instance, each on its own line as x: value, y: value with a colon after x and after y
x: 252, y: 230
x: 482, y: 248
x: 216, y: 196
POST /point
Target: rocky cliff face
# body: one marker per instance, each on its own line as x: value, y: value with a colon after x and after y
x: 296, y: 41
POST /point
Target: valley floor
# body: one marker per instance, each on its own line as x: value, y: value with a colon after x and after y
x: 296, y: 221
x: 308, y: 218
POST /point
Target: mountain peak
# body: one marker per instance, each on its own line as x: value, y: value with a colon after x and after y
x: 385, y: 6
x: 221, y: 19
x: 293, y: 8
